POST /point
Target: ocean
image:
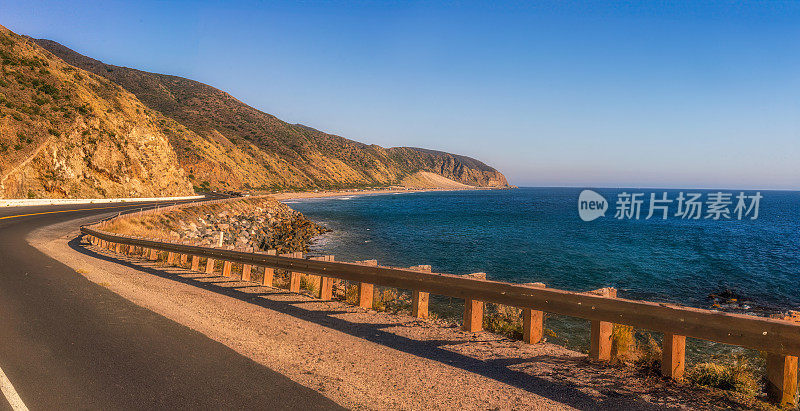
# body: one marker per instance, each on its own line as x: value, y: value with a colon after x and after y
x: 536, y: 235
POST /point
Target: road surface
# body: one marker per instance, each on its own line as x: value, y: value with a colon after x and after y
x: 67, y: 343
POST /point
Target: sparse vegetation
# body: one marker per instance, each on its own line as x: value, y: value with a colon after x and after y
x: 738, y: 376
x: 307, y: 283
x: 503, y: 320
x: 37, y: 101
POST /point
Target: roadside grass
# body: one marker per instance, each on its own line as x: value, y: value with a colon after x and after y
x: 738, y: 375
x: 503, y: 320
x: 308, y: 283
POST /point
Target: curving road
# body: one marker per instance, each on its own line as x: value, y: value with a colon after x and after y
x: 67, y: 343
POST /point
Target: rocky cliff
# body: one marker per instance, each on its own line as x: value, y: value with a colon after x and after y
x: 65, y: 132
x: 240, y: 146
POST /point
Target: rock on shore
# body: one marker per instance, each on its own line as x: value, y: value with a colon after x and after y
x: 251, y: 223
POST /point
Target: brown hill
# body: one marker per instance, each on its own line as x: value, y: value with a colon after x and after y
x: 236, y: 146
x: 65, y: 132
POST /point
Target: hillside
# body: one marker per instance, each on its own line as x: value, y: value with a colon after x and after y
x: 426, y: 179
x: 237, y: 146
x: 65, y: 132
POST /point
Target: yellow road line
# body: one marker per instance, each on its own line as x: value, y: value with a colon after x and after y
x: 77, y: 209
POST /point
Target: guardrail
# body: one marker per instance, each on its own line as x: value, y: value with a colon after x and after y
x: 779, y: 338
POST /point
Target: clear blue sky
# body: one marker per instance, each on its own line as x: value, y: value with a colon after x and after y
x: 642, y: 94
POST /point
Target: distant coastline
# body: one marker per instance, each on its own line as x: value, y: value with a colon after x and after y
x: 296, y: 195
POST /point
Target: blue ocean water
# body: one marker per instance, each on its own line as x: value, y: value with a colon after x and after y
x: 535, y: 234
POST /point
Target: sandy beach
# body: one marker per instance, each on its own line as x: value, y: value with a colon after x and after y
x: 359, y: 192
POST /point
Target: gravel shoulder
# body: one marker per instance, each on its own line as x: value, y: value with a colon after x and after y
x: 368, y: 360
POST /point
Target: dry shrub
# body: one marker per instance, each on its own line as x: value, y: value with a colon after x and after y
x: 648, y: 354
x: 351, y: 295
x: 503, y: 320
x: 738, y: 376
x: 392, y: 301
x: 623, y: 344
x: 280, y: 279
x: 308, y: 283
x: 635, y: 348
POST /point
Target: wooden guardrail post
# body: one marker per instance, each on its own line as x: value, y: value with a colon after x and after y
x: 153, y: 254
x: 532, y: 321
x: 227, y: 266
x: 673, y: 356
x: 782, y: 371
x: 325, y: 283
x: 118, y: 248
x: 170, y: 258
x: 269, y: 272
x: 184, y: 259
x: 419, y: 299
x: 246, y: 268
x: 195, y: 263
x: 782, y: 379
x: 600, y: 340
x: 294, y: 277
x: 210, y: 265
x: 473, y: 310
x: 366, y: 291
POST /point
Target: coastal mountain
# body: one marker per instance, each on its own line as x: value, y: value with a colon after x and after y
x: 65, y: 132
x: 268, y: 152
x: 71, y: 126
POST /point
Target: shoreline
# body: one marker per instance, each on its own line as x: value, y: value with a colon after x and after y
x: 299, y: 195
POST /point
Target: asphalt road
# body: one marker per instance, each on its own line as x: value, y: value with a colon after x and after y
x: 67, y: 343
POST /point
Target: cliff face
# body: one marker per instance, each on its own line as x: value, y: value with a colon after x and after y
x: 65, y: 132
x: 236, y: 146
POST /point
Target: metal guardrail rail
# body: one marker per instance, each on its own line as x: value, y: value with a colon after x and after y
x: 780, y: 338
